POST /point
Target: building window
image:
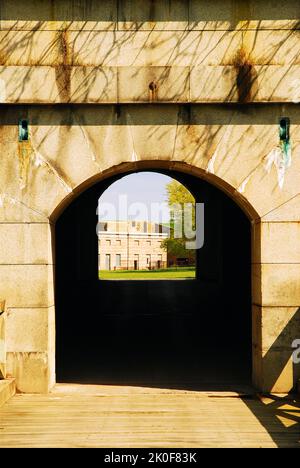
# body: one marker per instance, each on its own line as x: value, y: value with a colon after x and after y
x: 118, y: 260
x: 108, y: 242
x: 107, y: 262
x: 136, y: 243
x: 149, y: 243
x: 133, y: 224
x: 145, y: 226
x: 118, y: 242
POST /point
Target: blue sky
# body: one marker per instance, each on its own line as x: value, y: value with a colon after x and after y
x: 143, y: 188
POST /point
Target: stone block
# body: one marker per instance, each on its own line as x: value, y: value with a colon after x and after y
x: 29, y: 48
x: 277, y: 83
x: 274, y: 371
x: 95, y: 48
x: 31, y: 185
x: 213, y: 84
x: 27, y: 330
x: 276, y: 242
x: 270, y: 83
x: 279, y: 47
x: 288, y: 211
x: 151, y: 84
x: 263, y: 187
x: 275, y: 328
x: 27, y: 243
x: 27, y: 285
x: 276, y: 285
x: 93, y: 85
x: 68, y: 171
x: 31, y: 371
x: 154, y: 48
x: 39, y: 84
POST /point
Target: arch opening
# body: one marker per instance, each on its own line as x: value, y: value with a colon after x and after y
x: 147, y: 229
x: 175, y: 334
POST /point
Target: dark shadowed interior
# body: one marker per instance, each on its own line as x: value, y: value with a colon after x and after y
x: 188, y: 334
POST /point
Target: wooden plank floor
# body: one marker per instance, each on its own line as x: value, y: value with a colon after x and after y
x: 104, y: 416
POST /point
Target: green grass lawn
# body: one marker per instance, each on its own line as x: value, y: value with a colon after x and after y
x: 169, y: 273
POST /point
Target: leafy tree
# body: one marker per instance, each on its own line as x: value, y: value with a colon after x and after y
x: 178, y: 195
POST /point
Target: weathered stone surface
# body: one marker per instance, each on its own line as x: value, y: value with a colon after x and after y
x: 27, y: 285
x: 28, y: 243
x: 228, y: 14
x: 275, y: 371
x: 287, y: 212
x: 151, y: 84
x: 262, y: 187
x: 164, y: 14
x: 27, y: 330
x: 146, y: 15
x: 275, y: 328
x: 276, y: 284
x: 48, y: 84
x: 147, y: 48
x: 279, y: 47
x: 109, y: 84
x: 276, y: 242
x: 93, y: 85
x: 57, y: 14
x: 30, y: 370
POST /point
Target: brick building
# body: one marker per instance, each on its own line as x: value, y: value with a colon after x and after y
x: 131, y: 245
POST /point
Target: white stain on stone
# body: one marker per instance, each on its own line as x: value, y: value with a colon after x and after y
x: 7, y: 199
x: 241, y: 188
x: 211, y: 163
x: 281, y: 161
x: 40, y: 161
x: 88, y: 144
x: 134, y: 156
x: 225, y: 138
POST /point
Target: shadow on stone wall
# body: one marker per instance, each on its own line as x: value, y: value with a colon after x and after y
x: 140, y: 11
x: 149, y: 114
x: 279, y: 358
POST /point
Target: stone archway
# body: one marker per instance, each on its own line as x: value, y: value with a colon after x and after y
x: 99, y: 324
x: 185, y: 334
